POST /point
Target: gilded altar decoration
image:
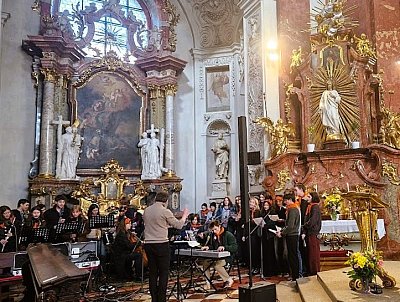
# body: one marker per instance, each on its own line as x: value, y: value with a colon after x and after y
x: 365, y: 204
x: 364, y: 47
x: 279, y: 134
x: 283, y: 178
x: 140, y: 193
x: 296, y: 59
x: 111, y: 186
x: 331, y: 18
x: 390, y: 128
x: 390, y: 171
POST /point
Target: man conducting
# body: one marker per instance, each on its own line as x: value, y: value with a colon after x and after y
x: 158, y: 219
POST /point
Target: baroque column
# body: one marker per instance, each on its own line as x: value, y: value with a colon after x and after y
x: 170, y: 91
x: 46, y: 130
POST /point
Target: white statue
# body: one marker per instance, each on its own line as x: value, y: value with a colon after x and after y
x: 150, y: 155
x: 144, y: 145
x: 70, y: 148
x: 221, y: 151
x: 329, y: 110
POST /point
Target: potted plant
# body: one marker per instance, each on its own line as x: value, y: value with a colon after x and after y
x: 355, y: 144
x: 310, y: 145
x: 365, y: 265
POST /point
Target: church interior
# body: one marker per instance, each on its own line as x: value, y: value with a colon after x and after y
x: 225, y: 105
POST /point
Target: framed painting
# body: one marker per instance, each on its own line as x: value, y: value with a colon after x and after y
x: 110, y: 112
x: 218, y: 88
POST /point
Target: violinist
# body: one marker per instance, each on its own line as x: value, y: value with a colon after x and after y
x: 9, y: 229
x: 192, y: 226
x: 300, y: 191
x: 124, y: 255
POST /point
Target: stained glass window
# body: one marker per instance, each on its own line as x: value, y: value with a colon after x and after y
x: 110, y: 31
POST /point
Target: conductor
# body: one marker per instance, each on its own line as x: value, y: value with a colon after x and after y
x: 158, y: 219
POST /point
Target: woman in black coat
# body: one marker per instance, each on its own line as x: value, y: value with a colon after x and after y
x: 123, y: 252
x: 268, y: 245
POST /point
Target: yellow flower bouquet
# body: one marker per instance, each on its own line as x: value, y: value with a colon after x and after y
x: 332, y: 204
x: 365, y: 265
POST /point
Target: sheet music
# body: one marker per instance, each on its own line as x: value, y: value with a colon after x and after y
x: 259, y: 221
x: 273, y: 217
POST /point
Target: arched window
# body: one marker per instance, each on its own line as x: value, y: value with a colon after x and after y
x: 101, y: 26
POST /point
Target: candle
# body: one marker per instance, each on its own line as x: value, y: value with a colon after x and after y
x: 348, y: 187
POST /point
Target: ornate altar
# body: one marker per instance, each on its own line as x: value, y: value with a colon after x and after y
x: 114, y: 82
x: 339, y: 69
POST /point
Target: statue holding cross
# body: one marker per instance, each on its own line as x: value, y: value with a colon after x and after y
x: 150, y: 153
x: 60, y: 123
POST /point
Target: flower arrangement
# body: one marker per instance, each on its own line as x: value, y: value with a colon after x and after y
x: 332, y: 202
x: 365, y: 265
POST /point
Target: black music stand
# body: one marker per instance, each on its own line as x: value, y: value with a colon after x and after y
x: 74, y: 227
x: 40, y: 235
x: 98, y: 222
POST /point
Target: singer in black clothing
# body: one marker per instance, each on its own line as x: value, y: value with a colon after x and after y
x: 9, y: 230
x: 267, y: 241
x: 57, y: 214
x: 21, y: 212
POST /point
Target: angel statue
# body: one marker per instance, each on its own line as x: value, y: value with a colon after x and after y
x: 296, y: 59
x: 390, y: 128
x: 279, y: 134
x: 364, y: 46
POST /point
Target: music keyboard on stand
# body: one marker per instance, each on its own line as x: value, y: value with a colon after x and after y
x: 203, y: 254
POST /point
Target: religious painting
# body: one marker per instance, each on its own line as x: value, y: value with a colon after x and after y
x: 332, y: 54
x: 109, y: 111
x: 218, y: 88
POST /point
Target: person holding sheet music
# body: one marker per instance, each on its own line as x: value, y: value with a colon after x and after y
x: 9, y: 229
x: 254, y: 233
x: 34, y: 221
x: 280, y: 243
x: 267, y: 240
x: 93, y: 234
x: 57, y: 214
x: 219, y: 240
x: 76, y: 216
x: 291, y: 232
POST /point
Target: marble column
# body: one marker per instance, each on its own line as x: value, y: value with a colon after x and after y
x: 170, y: 91
x: 46, y: 156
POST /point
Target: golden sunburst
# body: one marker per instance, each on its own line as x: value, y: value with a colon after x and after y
x: 349, y: 110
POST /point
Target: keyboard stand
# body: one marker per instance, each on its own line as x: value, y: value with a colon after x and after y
x: 180, y: 294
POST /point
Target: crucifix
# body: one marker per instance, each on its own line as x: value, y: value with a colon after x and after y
x: 59, y: 122
x: 152, y: 129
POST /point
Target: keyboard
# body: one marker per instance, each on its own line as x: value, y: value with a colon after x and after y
x: 203, y: 254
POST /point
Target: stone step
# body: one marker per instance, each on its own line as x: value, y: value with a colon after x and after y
x: 311, y: 290
x: 287, y: 291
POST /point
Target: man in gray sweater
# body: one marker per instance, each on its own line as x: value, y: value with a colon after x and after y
x: 158, y: 219
x: 291, y: 232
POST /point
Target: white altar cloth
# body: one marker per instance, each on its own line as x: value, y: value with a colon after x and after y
x: 347, y: 226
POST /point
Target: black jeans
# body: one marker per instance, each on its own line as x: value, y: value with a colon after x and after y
x: 292, y: 243
x: 158, y: 255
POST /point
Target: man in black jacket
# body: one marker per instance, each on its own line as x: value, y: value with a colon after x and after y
x: 291, y: 232
x: 57, y: 214
x: 300, y: 191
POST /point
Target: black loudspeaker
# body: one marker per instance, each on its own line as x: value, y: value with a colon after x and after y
x: 243, y: 169
x: 259, y: 292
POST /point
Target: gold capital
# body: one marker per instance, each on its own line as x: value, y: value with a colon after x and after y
x: 170, y: 89
x: 155, y: 92
x: 50, y: 75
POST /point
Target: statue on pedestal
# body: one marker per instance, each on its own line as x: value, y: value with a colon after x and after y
x: 150, y: 155
x: 221, y: 151
x: 70, y: 148
x: 329, y: 111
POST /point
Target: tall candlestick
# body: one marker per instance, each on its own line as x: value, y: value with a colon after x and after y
x: 348, y: 187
